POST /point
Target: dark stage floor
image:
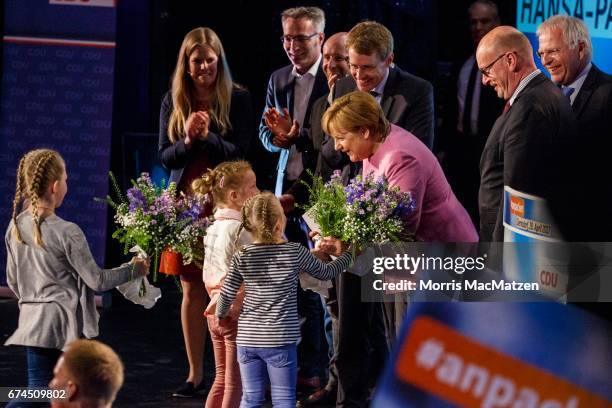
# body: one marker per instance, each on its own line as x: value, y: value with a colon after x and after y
x: 149, y: 342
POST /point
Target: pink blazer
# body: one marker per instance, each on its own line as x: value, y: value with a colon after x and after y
x: 410, y: 165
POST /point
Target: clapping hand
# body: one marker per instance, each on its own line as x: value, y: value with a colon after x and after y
x: 197, y: 126
x: 284, y: 129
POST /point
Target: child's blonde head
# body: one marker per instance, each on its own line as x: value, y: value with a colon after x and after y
x: 220, y: 180
x: 263, y: 217
x: 37, y: 170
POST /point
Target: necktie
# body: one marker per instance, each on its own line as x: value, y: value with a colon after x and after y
x: 507, y: 106
x: 374, y: 94
x: 568, y: 91
x: 469, y: 96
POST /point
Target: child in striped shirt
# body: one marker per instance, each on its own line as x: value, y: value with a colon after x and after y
x: 268, y: 327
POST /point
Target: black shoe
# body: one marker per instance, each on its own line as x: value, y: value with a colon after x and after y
x: 187, y: 390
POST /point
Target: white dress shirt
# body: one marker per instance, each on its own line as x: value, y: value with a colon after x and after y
x: 302, y: 89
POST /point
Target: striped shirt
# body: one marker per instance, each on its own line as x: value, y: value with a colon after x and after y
x: 269, y: 315
x: 523, y: 84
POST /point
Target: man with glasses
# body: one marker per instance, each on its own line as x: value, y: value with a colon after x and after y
x: 292, y: 90
x: 531, y: 144
x: 565, y: 51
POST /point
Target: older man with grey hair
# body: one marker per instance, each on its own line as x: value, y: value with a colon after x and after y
x: 566, y: 52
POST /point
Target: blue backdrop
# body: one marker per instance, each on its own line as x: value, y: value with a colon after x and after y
x: 57, y: 91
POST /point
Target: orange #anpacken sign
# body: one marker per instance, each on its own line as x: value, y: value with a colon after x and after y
x: 455, y: 368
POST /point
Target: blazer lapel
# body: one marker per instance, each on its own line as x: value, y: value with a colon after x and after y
x: 388, y: 98
x: 585, y: 91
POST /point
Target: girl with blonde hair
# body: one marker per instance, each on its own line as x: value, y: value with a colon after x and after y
x: 50, y: 268
x: 268, y: 327
x: 230, y: 184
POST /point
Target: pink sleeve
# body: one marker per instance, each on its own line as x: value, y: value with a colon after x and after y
x: 406, y: 172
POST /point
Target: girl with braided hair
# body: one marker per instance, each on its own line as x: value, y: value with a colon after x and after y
x: 50, y: 268
x: 230, y: 184
x: 268, y: 327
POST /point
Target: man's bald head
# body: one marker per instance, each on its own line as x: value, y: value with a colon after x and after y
x: 505, y: 57
x: 506, y: 39
x: 335, y: 58
x: 338, y: 39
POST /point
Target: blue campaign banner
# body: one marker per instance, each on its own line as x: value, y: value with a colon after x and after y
x: 498, y: 355
x: 57, y: 92
x: 527, y: 219
x: 596, y: 14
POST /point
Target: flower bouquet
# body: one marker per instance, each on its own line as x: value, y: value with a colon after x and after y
x: 153, y: 219
x: 376, y: 212
x: 365, y: 211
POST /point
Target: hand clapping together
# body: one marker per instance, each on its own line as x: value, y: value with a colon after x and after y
x: 285, y: 129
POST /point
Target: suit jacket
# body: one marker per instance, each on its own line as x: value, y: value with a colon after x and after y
x: 234, y: 145
x: 407, y: 102
x: 407, y: 163
x: 280, y: 96
x: 531, y: 149
x: 593, y: 110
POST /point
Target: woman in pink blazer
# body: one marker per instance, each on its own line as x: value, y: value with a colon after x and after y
x: 360, y: 129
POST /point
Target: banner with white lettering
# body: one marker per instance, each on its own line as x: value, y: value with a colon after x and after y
x: 596, y: 14
x: 527, y: 219
x: 57, y: 92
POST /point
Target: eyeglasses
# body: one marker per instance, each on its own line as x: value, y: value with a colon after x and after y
x: 362, y: 68
x: 551, y: 53
x: 297, y: 38
x: 486, y: 71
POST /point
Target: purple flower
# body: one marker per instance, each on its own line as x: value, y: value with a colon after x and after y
x: 136, y: 199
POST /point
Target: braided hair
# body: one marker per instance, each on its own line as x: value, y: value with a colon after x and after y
x: 37, y: 170
x: 260, y: 216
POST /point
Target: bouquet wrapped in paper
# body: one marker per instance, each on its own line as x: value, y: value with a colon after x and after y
x: 365, y: 211
x: 376, y: 212
x: 153, y: 219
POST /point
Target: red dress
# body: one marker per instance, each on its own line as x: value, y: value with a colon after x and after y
x: 172, y: 263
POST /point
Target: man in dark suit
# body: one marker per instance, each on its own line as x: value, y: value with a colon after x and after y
x: 565, y: 51
x: 407, y: 100
x: 473, y: 115
x: 291, y: 92
x: 531, y: 144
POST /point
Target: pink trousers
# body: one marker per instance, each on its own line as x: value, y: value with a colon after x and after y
x: 226, y: 391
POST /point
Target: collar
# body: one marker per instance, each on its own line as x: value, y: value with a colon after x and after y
x: 577, y: 84
x: 227, y: 214
x: 314, y: 68
x: 380, y: 88
x: 523, y: 84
